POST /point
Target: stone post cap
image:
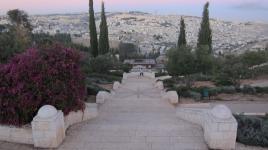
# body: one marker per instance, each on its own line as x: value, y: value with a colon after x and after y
x: 47, y: 111
x: 116, y: 85
x: 160, y: 85
x: 221, y: 112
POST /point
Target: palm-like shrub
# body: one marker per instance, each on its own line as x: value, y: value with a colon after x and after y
x: 38, y: 77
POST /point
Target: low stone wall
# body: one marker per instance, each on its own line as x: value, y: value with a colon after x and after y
x: 91, y: 111
x: 21, y: 135
x: 48, y: 127
x: 220, y: 127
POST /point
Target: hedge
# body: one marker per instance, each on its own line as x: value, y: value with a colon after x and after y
x: 93, y: 89
x: 252, y: 130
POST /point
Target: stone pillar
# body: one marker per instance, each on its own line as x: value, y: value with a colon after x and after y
x: 172, y: 97
x: 125, y: 76
x: 159, y: 85
x: 153, y: 75
x: 220, y: 128
x: 48, y: 127
x: 116, y: 85
x: 101, y: 97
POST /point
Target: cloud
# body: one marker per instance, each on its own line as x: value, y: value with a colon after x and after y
x: 253, y: 5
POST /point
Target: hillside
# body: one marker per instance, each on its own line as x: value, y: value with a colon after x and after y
x: 157, y: 32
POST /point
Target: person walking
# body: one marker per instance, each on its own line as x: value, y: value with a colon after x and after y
x: 140, y: 73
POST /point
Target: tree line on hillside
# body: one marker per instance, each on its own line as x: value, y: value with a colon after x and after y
x: 226, y: 69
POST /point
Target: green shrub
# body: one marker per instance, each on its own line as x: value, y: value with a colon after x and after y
x: 183, y: 91
x: 247, y: 89
x: 101, y: 64
x: 201, y: 77
x: 169, y: 83
x: 103, y: 78
x: 159, y: 74
x: 195, y: 95
x: 252, y: 130
x: 223, y: 81
x: 262, y: 90
x: 214, y: 91
x: 116, y: 73
x: 126, y: 67
x: 93, y: 89
x: 198, y: 89
x: 262, y: 70
x: 227, y: 89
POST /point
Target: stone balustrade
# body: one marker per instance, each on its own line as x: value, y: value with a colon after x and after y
x: 21, y: 135
x: 47, y: 130
x: 218, y: 123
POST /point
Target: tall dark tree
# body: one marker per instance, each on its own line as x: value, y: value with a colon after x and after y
x: 104, y: 35
x: 205, y: 33
x: 19, y: 18
x: 92, y: 30
x: 182, y: 36
x: 15, y: 37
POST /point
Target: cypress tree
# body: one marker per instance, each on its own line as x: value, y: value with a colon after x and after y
x: 182, y: 36
x: 205, y: 33
x: 92, y: 30
x: 104, y: 35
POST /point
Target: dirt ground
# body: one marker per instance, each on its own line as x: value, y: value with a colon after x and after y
x: 261, y: 81
x: 204, y: 84
x: 106, y: 86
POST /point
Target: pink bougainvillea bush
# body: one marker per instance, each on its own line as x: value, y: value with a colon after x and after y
x: 39, y: 77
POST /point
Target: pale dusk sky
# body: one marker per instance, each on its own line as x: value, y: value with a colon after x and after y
x: 242, y: 10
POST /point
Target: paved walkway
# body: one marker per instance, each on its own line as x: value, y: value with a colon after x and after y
x: 135, y: 118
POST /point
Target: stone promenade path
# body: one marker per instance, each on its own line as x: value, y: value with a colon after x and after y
x: 135, y: 118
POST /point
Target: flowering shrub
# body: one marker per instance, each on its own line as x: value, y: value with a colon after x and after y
x: 38, y: 77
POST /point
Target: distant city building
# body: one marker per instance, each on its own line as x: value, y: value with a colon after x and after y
x: 148, y: 63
